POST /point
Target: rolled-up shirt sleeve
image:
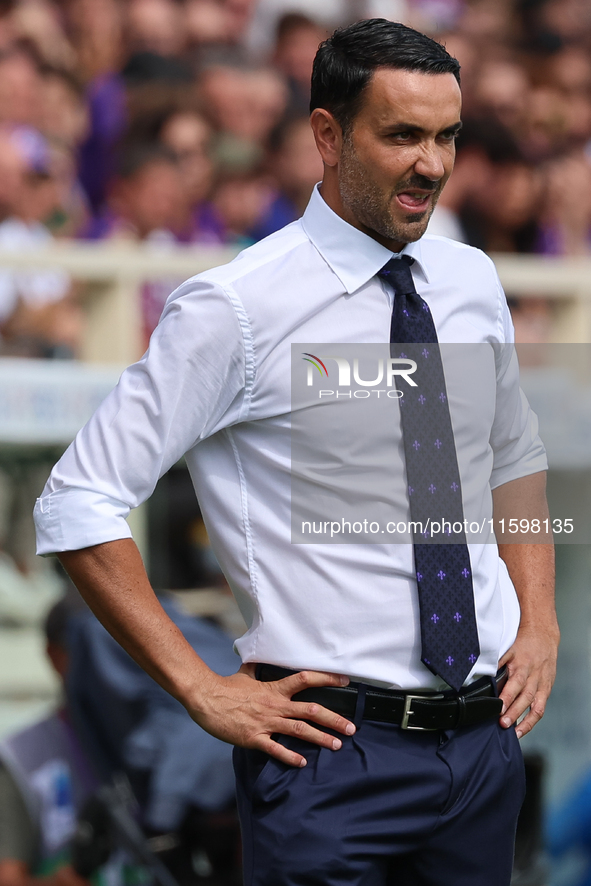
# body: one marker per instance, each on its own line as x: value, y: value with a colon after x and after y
x: 516, y: 444
x: 190, y: 384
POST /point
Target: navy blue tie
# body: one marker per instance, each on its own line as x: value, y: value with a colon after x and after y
x: 449, y: 636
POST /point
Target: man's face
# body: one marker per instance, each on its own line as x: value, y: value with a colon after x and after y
x: 398, y: 153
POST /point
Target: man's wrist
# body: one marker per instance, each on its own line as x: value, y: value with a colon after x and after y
x: 539, y: 624
x: 195, y: 691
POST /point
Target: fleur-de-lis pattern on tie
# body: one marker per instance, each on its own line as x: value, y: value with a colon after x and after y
x: 449, y: 636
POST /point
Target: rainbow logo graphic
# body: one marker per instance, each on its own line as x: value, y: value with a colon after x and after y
x: 317, y: 362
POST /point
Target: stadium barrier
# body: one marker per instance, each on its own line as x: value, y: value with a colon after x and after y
x: 112, y: 274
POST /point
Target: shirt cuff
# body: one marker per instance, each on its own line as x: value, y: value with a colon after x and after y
x: 533, y: 463
x: 70, y: 519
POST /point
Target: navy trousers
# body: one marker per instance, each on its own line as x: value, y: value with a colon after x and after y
x: 391, y: 808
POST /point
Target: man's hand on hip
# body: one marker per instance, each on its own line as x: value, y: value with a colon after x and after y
x: 531, y: 660
x: 237, y: 709
x: 243, y: 711
x: 531, y: 665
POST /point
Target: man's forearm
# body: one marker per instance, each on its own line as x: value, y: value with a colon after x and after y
x: 530, y: 561
x: 237, y: 709
x: 532, y: 571
x: 531, y: 660
x: 112, y: 579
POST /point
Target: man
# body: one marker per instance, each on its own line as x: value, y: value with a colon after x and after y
x: 439, y: 805
x: 49, y: 771
x: 39, y: 312
x: 45, y: 779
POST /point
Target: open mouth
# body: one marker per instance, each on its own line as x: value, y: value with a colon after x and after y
x: 415, y: 201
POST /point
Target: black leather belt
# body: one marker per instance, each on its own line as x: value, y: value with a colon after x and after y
x: 423, y: 711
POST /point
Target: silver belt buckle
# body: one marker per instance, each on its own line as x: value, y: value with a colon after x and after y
x: 408, y: 711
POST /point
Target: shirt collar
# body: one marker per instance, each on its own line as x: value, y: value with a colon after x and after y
x: 353, y: 256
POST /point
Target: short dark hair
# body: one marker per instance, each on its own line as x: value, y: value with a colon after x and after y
x: 345, y: 63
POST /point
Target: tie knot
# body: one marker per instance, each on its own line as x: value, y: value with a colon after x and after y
x: 397, y: 273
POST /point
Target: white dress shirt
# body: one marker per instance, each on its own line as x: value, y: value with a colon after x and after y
x: 215, y: 384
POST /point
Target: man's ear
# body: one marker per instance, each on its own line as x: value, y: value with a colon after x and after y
x: 328, y: 135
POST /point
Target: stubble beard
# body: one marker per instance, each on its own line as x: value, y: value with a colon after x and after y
x: 370, y: 206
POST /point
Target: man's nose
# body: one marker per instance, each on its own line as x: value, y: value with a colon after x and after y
x: 429, y: 163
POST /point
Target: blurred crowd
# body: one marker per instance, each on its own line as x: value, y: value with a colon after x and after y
x: 185, y: 121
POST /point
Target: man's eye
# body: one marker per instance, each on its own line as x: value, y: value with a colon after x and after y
x: 450, y: 136
x: 401, y: 136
